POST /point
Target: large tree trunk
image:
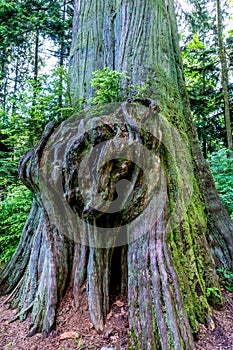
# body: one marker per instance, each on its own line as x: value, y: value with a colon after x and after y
x: 171, y: 218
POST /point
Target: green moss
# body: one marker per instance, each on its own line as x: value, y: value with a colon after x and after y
x: 190, y: 253
x: 155, y: 330
x: 132, y: 340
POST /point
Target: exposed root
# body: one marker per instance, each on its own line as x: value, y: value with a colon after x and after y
x: 10, y: 296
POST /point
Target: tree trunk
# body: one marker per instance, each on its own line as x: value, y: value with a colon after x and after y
x: 4, y: 77
x: 225, y: 82
x: 36, y: 59
x: 16, y: 81
x: 61, y: 60
x: 158, y: 237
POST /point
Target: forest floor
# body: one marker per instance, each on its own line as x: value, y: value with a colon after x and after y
x: 75, y: 331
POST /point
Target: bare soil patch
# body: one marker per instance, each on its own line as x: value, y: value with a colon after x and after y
x: 221, y: 337
x: 74, y: 329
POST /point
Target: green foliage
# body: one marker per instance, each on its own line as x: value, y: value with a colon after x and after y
x: 14, y: 209
x: 24, y: 121
x: 135, y: 91
x: 226, y: 278
x: 222, y: 169
x: 202, y: 79
x: 202, y: 69
x: 8, y: 164
x: 195, y: 43
x: 212, y: 291
x: 58, y: 87
x: 79, y: 343
x: 108, y: 86
x: 200, y: 19
x: 214, y: 297
x: 22, y: 18
x: 22, y: 23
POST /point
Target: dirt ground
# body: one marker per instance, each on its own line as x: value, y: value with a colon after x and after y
x: 75, y: 331
x: 221, y: 337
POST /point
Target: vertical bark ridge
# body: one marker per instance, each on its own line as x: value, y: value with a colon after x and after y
x: 156, y: 309
x: 161, y: 295
x: 13, y: 272
x: 94, y: 292
x: 27, y: 292
x: 79, y: 269
x: 52, y: 278
x: 141, y: 323
x: 171, y: 321
x: 185, y: 326
x: 42, y: 257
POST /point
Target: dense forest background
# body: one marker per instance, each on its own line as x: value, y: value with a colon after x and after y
x: 35, y: 38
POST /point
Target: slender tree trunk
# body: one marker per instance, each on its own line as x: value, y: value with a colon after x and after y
x: 225, y: 81
x: 62, y: 44
x: 15, y: 85
x: 61, y: 61
x: 35, y: 84
x: 169, y: 262
x: 4, y: 79
x: 36, y: 58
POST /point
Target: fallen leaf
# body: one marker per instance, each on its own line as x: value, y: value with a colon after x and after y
x: 211, y: 326
x: 68, y: 335
x: 119, y: 303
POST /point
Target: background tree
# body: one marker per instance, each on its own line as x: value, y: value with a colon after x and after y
x: 225, y: 83
x: 203, y: 70
x: 202, y: 79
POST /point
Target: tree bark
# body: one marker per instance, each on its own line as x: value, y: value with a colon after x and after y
x: 167, y: 266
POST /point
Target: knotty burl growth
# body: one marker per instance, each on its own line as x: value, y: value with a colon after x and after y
x: 165, y: 272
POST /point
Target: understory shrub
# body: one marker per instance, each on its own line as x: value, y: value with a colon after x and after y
x: 222, y: 169
x: 14, y: 209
